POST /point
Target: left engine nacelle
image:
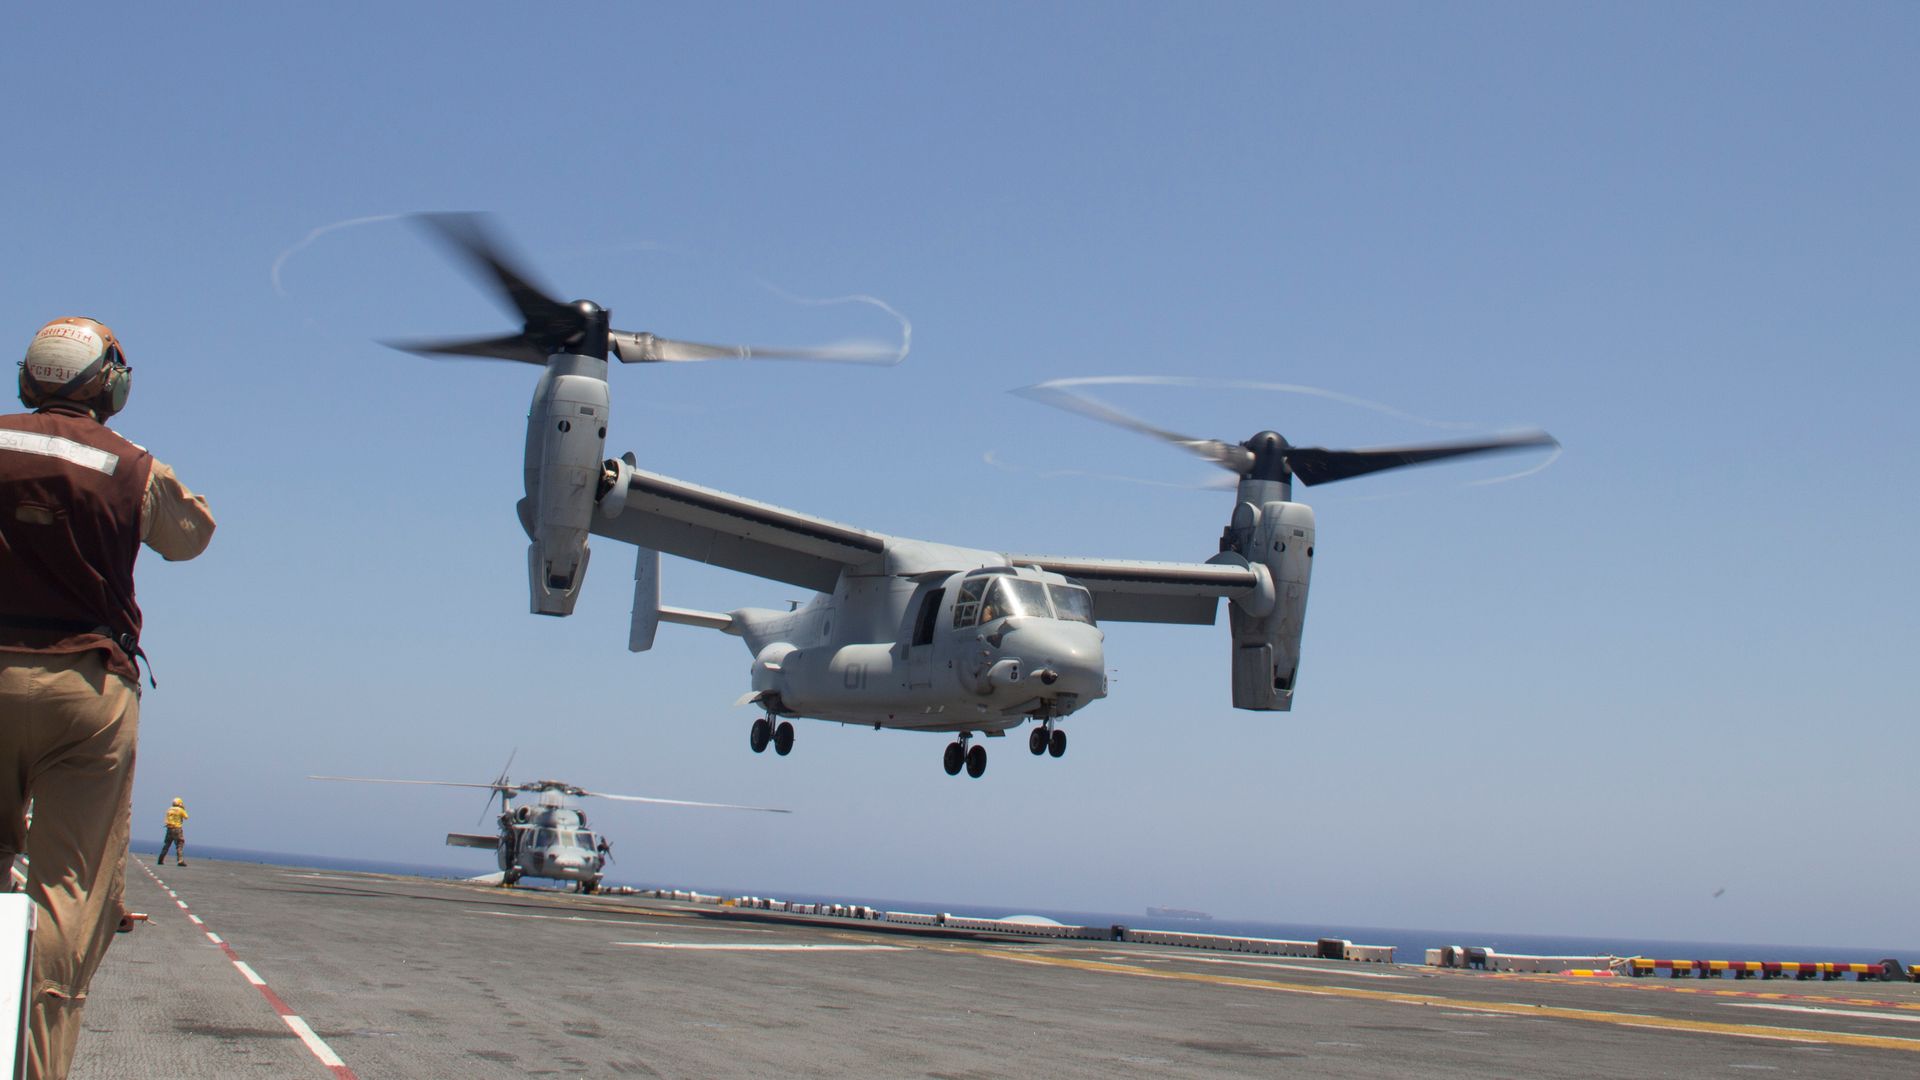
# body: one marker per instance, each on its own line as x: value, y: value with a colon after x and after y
x: 566, y: 436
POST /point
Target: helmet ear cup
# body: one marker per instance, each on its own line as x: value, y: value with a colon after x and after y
x: 119, y: 384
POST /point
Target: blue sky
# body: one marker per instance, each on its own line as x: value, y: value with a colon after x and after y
x: 1681, y: 238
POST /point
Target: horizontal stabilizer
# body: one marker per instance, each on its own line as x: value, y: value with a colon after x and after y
x: 712, y: 620
x: 460, y: 839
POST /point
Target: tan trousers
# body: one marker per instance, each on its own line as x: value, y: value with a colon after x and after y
x: 67, y: 736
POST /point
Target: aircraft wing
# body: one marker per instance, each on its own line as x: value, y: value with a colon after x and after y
x: 1132, y: 590
x: 461, y: 839
x: 751, y: 537
x: 711, y: 526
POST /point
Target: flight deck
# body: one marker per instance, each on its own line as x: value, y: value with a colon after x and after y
x: 256, y: 970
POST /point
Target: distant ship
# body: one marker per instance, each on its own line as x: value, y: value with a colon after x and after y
x: 1179, y: 913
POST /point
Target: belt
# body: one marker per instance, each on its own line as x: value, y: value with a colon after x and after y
x: 128, y: 642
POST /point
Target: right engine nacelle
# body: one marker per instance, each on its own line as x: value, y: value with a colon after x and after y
x: 1277, y: 537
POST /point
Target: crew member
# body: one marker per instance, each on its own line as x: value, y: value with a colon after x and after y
x: 76, y: 503
x: 176, y: 835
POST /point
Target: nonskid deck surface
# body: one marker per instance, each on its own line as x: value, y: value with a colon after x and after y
x: 407, y: 977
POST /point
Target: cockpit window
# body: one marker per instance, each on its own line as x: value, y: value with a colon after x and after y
x: 1014, y: 596
x: 966, y: 607
x: 1018, y: 596
x: 583, y: 839
x: 542, y: 838
x: 1073, y: 603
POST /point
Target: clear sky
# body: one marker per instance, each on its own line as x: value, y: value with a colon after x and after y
x: 1683, y: 238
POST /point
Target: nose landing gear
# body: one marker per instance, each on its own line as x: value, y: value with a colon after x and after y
x: 960, y: 753
x: 1047, y: 739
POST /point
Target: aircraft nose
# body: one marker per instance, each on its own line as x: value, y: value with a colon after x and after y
x: 1067, y: 658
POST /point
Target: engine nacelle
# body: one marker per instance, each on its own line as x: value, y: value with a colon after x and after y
x: 566, y: 434
x: 1275, y: 538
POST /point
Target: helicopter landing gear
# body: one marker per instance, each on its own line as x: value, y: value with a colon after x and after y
x: 1047, y: 739
x: 587, y: 887
x: 510, y: 878
x: 766, y: 731
x: 959, y: 753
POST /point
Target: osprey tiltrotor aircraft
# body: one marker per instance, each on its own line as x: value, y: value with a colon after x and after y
x: 901, y: 633
x: 549, y: 838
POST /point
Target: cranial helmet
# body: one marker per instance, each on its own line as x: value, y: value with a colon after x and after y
x: 76, y: 360
x: 178, y: 802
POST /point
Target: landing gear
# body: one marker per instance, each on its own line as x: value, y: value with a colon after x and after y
x: 961, y: 753
x: 766, y: 731
x: 587, y: 887
x: 1047, y: 739
x: 510, y: 878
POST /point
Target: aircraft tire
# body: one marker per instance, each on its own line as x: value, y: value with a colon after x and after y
x: 976, y: 761
x: 1057, y: 744
x: 956, y: 756
x: 783, y: 739
x: 1037, y: 742
x: 510, y: 878
x: 761, y: 734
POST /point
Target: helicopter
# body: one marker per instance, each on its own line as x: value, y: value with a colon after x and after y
x: 900, y: 633
x: 548, y: 838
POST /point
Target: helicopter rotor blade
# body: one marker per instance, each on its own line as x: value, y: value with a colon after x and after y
x: 1226, y: 455
x: 468, y: 236
x: 1318, y: 465
x: 499, y: 787
x: 379, y: 780
x: 1309, y: 464
x: 680, y: 802
x: 644, y: 348
x: 518, y: 347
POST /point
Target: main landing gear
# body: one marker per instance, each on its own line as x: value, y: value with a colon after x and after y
x: 1047, y: 739
x: 766, y: 731
x: 960, y: 753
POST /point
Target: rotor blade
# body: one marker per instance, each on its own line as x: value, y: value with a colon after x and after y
x: 1226, y: 455
x: 518, y: 347
x: 1317, y: 465
x: 682, y: 802
x: 376, y: 780
x: 468, y: 236
x: 643, y: 348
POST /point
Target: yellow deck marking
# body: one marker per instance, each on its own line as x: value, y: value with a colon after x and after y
x: 1507, y: 1008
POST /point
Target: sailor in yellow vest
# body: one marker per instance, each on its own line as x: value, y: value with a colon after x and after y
x: 176, y: 835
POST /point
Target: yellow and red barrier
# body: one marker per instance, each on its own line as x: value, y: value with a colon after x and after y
x: 1767, y: 969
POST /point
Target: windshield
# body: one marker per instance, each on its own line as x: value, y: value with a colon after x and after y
x: 984, y: 599
x: 1013, y: 596
x: 1073, y: 603
x: 584, y: 839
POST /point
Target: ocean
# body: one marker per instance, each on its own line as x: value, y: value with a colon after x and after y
x: 1410, y: 945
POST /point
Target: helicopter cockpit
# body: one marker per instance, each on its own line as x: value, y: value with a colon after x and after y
x: 987, y: 597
